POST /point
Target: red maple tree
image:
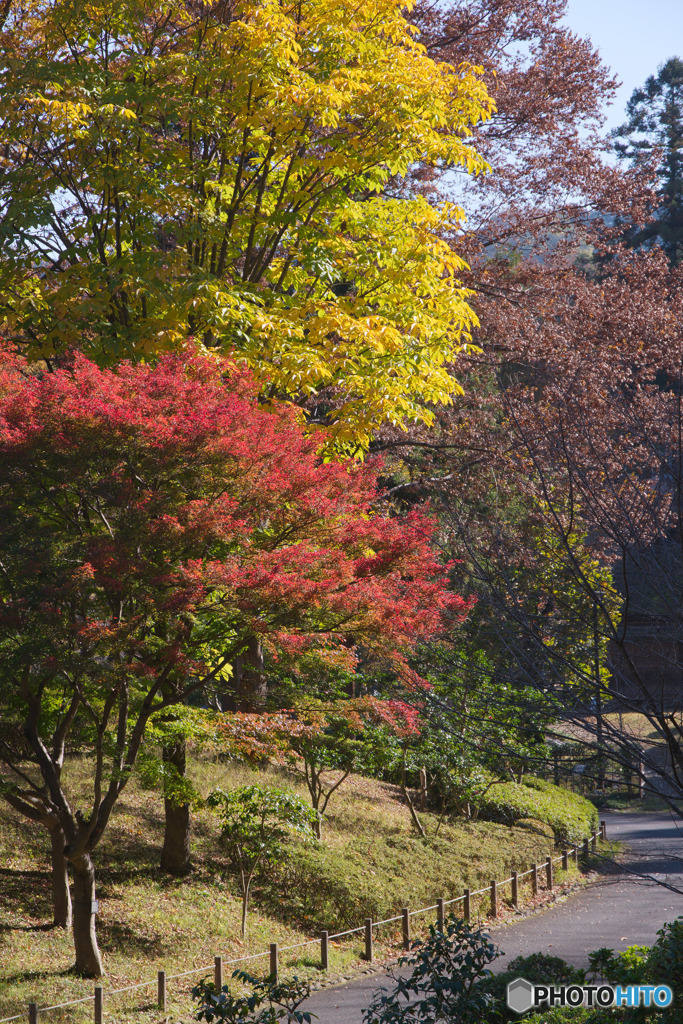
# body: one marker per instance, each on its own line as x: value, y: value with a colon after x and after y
x: 153, y: 522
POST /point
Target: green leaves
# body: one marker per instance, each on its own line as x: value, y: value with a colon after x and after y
x: 256, y: 819
x: 441, y: 986
x: 269, y: 1001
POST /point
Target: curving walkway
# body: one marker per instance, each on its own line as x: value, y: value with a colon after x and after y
x: 617, y: 911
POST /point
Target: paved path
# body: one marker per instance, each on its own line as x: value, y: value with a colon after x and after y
x: 617, y: 911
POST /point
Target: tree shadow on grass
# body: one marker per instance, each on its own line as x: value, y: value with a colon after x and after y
x: 116, y: 937
x: 21, y: 976
x: 25, y: 893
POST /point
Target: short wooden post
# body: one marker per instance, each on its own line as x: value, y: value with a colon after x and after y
x: 99, y: 1004
x: 515, y: 889
x: 641, y: 782
x: 324, y: 951
x: 368, y: 939
x: 575, y: 854
x: 218, y: 973
x: 405, y: 924
x: 534, y: 879
x: 161, y: 990
x: 33, y: 1013
x: 585, y: 848
x: 603, y: 831
x: 494, y: 898
x: 273, y: 961
x: 594, y: 842
x: 549, y: 872
x: 467, y: 905
x: 565, y: 860
x: 440, y: 913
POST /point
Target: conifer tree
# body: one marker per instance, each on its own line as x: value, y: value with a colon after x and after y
x: 654, y: 131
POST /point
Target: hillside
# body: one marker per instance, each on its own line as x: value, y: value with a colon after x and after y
x: 370, y: 864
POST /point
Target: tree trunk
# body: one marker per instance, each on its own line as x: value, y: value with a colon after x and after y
x: 88, y: 962
x: 413, y: 813
x: 61, y: 897
x: 246, y: 884
x: 250, y: 679
x: 598, y: 702
x: 175, y: 855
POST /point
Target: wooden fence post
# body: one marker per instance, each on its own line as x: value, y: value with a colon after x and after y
x: 575, y: 855
x: 99, y: 1004
x: 549, y: 872
x: 594, y: 842
x: 33, y: 1013
x: 273, y: 961
x: 368, y: 939
x: 534, y: 879
x: 218, y: 973
x: 161, y: 990
x: 494, y: 898
x: 515, y: 889
x: 467, y: 905
x: 405, y: 923
x: 440, y: 912
x: 565, y: 860
x: 324, y: 951
x: 585, y: 848
x: 603, y: 831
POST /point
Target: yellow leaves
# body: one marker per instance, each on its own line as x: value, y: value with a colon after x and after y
x: 64, y: 113
x: 112, y: 109
x: 218, y: 165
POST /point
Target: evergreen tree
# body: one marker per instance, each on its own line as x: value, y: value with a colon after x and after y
x: 655, y: 122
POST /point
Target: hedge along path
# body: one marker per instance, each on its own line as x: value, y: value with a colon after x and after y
x: 368, y: 927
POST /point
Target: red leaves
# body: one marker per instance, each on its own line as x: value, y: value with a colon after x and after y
x: 174, y: 505
x: 275, y: 735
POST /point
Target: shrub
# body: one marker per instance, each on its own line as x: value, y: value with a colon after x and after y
x: 256, y: 821
x: 330, y: 889
x: 539, y: 969
x: 268, y: 1001
x: 541, y: 828
x: 374, y: 875
x: 665, y: 966
x: 574, y: 1015
x: 443, y: 983
x: 639, y: 965
x: 570, y: 816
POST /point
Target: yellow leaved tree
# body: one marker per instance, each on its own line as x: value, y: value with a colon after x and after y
x: 233, y: 171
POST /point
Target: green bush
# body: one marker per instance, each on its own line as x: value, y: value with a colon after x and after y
x: 570, y: 816
x: 541, y: 828
x: 443, y: 984
x: 265, y: 1002
x: 665, y: 967
x: 662, y: 964
x: 374, y: 875
x: 539, y: 969
x: 327, y: 887
x: 574, y: 1015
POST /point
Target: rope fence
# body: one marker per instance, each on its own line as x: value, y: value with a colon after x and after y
x: 368, y: 927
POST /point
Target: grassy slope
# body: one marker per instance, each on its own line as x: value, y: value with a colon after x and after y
x: 370, y: 864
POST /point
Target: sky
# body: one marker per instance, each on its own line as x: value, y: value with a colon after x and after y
x: 634, y: 37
